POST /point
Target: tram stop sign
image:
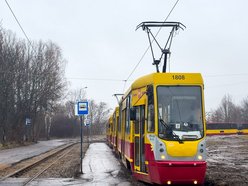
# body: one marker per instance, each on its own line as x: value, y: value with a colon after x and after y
x: 82, y: 108
x: 87, y: 122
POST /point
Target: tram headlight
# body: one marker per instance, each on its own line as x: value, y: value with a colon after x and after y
x: 162, y: 157
x: 199, y: 157
x: 195, y: 182
x: 168, y: 182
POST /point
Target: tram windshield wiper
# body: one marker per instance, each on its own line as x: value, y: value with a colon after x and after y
x: 170, y: 131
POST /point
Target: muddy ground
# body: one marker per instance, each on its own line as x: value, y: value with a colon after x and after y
x: 227, y: 160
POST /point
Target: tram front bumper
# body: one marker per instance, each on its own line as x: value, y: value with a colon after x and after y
x: 177, y: 172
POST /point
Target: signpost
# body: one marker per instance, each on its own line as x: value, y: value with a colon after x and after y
x: 82, y: 109
x: 28, y: 121
x: 27, y: 133
x: 87, y: 124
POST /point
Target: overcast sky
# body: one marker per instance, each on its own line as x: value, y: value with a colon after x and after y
x: 99, y: 41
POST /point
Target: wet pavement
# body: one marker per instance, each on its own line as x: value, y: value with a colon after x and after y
x: 100, y: 167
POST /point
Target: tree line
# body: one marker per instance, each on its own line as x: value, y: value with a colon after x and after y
x: 32, y: 82
x: 228, y: 111
x: 66, y: 123
x: 33, y: 88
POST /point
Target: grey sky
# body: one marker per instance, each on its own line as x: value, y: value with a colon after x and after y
x: 99, y: 41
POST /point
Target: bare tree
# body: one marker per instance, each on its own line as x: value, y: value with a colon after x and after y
x: 100, y: 114
x: 47, y: 80
x: 227, y: 111
x: 216, y: 116
x: 32, y: 85
x: 7, y: 98
x: 32, y: 82
x: 244, y: 110
x: 73, y: 97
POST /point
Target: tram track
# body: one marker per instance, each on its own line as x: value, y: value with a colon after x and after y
x: 39, y: 165
x: 48, y: 166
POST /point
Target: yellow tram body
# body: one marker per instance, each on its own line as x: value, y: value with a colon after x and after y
x: 109, y: 130
x: 226, y: 128
x: 140, y: 142
x: 115, y: 119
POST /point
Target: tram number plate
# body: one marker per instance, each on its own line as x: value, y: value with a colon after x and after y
x: 178, y: 77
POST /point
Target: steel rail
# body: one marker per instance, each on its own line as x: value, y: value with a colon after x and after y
x: 47, y: 167
x: 31, y: 165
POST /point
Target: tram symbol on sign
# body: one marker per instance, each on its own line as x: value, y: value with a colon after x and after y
x: 82, y: 108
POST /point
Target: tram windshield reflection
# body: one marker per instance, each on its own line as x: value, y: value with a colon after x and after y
x: 180, y: 112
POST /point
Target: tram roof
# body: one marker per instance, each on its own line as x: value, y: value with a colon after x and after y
x: 168, y: 79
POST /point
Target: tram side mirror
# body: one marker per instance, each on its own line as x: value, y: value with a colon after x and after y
x: 149, y: 93
x: 132, y: 114
x: 149, y: 90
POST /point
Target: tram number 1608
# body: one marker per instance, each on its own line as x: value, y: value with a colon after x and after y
x: 178, y: 77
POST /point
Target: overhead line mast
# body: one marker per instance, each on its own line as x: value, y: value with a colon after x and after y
x: 166, y: 50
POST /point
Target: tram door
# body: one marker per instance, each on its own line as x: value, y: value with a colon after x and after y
x: 139, y: 140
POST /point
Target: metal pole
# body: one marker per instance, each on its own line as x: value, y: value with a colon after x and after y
x: 81, y: 149
x: 87, y: 133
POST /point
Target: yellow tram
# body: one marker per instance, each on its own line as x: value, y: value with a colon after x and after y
x: 162, y: 128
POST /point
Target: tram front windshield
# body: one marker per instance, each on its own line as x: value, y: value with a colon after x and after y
x: 180, y: 112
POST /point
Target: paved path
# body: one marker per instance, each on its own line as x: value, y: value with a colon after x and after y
x: 10, y: 156
x: 100, y: 167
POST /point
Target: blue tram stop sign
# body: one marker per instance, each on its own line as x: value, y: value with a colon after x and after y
x: 82, y: 108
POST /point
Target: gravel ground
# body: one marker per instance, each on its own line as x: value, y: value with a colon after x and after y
x: 68, y: 166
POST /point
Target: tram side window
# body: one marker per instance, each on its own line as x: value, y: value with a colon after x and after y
x: 114, y: 127
x: 117, y: 124
x: 150, y: 110
x: 137, y: 120
x: 109, y: 127
x: 244, y: 126
x: 150, y: 119
x: 124, y: 120
x: 222, y: 126
x: 128, y: 116
x: 119, y: 121
x: 234, y: 126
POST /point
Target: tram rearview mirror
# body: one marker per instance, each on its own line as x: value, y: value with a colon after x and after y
x: 132, y: 114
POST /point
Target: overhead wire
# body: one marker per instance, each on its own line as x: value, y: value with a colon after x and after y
x: 112, y: 79
x: 224, y: 75
x: 102, y: 79
x: 19, y: 24
x: 142, y: 57
x: 94, y: 79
